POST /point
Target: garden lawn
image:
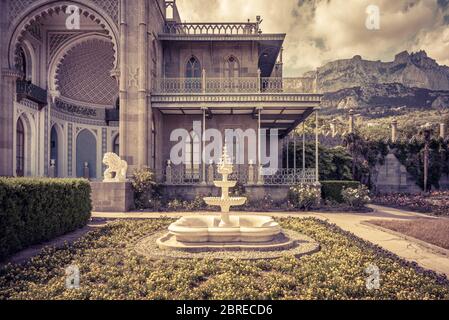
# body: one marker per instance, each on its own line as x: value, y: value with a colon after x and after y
x: 110, y: 269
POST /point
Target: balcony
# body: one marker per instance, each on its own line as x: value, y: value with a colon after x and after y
x: 249, y: 85
x: 27, y: 90
x: 244, y: 174
x: 231, y: 28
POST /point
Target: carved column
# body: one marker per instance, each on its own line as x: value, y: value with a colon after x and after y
x: 134, y: 103
x: 7, y: 97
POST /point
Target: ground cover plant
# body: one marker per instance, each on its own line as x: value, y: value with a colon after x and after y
x: 111, y: 269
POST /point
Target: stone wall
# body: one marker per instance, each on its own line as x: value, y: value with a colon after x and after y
x: 392, y: 176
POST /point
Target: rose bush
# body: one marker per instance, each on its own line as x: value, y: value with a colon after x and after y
x: 304, y: 196
x: 356, y: 197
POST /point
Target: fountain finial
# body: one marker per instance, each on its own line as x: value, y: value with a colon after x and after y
x: 225, y: 166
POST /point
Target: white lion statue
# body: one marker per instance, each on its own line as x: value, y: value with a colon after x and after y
x: 117, y: 166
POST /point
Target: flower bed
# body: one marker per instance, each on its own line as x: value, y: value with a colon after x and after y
x: 436, y: 203
x: 111, y: 269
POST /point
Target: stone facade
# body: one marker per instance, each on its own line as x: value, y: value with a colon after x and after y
x: 126, y: 78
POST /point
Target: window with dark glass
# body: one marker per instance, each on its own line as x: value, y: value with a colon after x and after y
x: 193, y: 75
x: 20, y: 149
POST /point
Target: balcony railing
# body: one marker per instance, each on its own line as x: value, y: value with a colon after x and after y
x: 230, y: 28
x: 245, y: 174
x: 234, y: 85
x: 27, y: 90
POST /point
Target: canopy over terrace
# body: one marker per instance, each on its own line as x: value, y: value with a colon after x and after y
x: 284, y: 119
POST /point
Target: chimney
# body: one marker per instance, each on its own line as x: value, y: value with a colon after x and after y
x: 351, y: 121
x: 394, y: 130
x: 442, y: 130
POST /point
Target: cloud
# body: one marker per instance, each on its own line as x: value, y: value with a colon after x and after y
x: 319, y: 31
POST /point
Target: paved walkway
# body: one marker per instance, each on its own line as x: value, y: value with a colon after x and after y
x: 354, y: 222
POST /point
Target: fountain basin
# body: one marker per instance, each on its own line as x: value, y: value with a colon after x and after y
x: 226, y: 202
x: 201, y: 229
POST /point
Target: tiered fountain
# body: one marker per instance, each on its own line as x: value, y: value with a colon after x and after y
x: 225, y: 232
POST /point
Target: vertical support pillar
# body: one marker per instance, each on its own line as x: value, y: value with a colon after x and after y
x: 203, y: 160
x: 259, y: 152
x: 142, y: 86
x: 7, y: 98
x: 203, y: 81
x: 317, y: 174
x: 134, y: 101
x: 304, y: 149
x: 294, y: 151
x: 168, y: 173
x: 123, y: 80
x: 259, y: 81
x: 287, y: 140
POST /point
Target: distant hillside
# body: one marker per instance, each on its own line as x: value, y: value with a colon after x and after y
x: 388, y: 96
x: 411, y: 80
x: 411, y: 70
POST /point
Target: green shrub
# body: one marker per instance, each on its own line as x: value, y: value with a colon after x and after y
x: 304, y: 196
x: 331, y: 190
x: 356, y: 197
x: 37, y: 210
x: 145, y: 189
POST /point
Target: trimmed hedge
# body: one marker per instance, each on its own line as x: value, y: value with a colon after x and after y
x: 34, y: 210
x: 331, y: 190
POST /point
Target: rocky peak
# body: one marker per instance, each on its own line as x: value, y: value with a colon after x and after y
x: 411, y: 69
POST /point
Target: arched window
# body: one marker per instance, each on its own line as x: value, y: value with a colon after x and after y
x: 20, y: 149
x: 22, y: 63
x: 116, y: 145
x: 193, y: 156
x: 193, y: 68
x: 231, y: 68
x: 193, y: 75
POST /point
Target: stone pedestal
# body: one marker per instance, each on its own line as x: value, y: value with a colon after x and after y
x: 112, y: 196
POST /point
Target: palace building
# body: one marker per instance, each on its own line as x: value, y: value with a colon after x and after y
x: 81, y: 78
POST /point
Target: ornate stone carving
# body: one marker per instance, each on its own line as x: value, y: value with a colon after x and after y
x: 84, y: 74
x: 115, y: 165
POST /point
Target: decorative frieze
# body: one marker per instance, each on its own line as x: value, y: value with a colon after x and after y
x: 75, y: 110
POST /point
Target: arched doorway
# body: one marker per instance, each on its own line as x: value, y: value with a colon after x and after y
x: 86, y: 152
x: 20, y: 148
x: 57, y: 149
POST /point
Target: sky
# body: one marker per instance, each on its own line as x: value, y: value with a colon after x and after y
x: 319, y: 31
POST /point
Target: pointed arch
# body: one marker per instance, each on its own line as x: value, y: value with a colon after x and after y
x: 231, y: 68
x: 41, y: 9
